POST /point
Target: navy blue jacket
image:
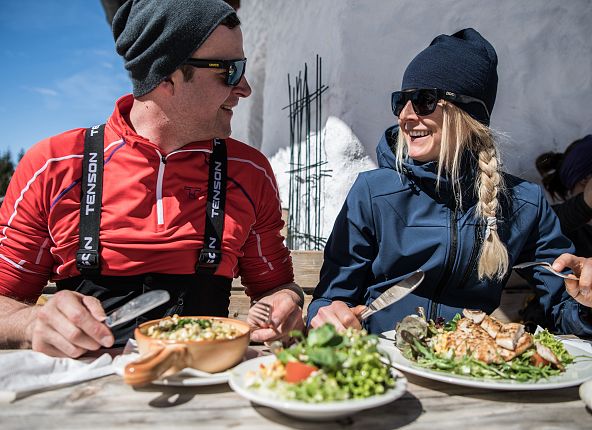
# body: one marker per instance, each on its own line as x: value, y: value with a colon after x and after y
x: 394, y: 223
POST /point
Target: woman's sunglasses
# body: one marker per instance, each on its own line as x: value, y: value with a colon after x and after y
x: 235, y: 69
x: 425, y: 100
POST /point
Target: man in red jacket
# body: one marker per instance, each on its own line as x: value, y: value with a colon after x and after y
x: 168, y: 201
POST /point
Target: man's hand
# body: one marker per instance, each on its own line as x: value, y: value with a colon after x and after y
x: 69, y: 325
x: 340, y: 315
x: 580, y: 290
x: 286, y: 316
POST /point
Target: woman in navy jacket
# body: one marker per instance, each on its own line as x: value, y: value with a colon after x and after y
x: 440, y: 203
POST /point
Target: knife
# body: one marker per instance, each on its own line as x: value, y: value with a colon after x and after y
x: 394, y: 293
x: 137, y: 306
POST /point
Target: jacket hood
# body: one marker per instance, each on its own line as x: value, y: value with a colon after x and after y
x: 425, y: 174
x: 386, y: 158
x: 384, y: 154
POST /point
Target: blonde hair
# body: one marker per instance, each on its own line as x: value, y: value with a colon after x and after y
x: 460, y: 133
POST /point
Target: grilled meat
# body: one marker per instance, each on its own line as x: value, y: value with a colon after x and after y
x: 483, y: 338
x: 468, y: 339
x: 491, y: 326
x: 475, y: 316
x: 507, y: 337
x: 548, y: 355
x: 525, y: 342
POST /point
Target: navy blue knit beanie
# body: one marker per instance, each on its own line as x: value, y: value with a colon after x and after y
x: 464, y: 63
x: 155, y: 37
x: 577, y: 164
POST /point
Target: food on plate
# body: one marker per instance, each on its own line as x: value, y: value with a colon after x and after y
x: 476, y: 344
x: 171, y: 344
x: 326, y: 366
x: 177, y: 328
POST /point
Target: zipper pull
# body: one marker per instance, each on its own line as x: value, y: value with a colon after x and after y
x: 163, y: 158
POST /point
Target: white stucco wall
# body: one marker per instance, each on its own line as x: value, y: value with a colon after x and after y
x: 545, y: 71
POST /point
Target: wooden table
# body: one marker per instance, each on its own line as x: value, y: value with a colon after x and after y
x: 108, y: 403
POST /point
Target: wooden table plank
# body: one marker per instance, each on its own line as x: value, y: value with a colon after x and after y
x: 110, y: 404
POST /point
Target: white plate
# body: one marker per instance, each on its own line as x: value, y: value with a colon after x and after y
x: 576, y: 373
x: 309, y: 411
x: 186, y: 377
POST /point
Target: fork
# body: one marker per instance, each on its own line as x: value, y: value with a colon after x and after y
x: 546, y: 266
x: 261, y: 314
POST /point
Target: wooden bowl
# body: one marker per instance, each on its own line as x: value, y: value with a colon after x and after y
x: 160, y: 357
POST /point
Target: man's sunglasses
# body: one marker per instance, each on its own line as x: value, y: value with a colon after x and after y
x: 235, y: 69
x: 425, y: 100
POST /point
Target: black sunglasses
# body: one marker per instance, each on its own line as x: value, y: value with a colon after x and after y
x: 235, y: 69
x: 425, y: 100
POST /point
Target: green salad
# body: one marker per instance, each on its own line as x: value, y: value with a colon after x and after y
x: 326, y: 366
x: 465, y: 347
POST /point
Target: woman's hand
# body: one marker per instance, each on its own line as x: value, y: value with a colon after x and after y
x: 580, y: 290
x: 340, y: 315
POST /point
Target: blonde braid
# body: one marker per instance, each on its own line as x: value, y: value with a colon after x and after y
x: 493, y: 261
x: 461, y: 132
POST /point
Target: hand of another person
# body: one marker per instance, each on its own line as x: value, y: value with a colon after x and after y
x: 340, y: 315
x: 286, y: 316
x: 580, y: 290
x: 69, y: 325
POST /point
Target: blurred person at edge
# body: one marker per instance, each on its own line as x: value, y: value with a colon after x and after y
x: 186, y: 62
x: 568, y: 179
x: 439, y: 202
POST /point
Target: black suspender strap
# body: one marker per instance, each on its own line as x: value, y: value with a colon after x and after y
x: 87, y: 257
x: 211, y: 254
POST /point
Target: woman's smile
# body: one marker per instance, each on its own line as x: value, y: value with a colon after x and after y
x: 422, y: 133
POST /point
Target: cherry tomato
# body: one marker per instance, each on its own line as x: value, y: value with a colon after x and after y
x: 297, y: 371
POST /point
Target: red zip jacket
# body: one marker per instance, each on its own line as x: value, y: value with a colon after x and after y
x: 153, y: 212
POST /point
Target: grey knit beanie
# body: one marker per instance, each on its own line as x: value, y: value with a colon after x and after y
x: 155, y: 37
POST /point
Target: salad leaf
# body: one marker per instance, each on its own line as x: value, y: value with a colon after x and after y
x: 451, y: 325
x: 326, y: 357
x: 322, y: 335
